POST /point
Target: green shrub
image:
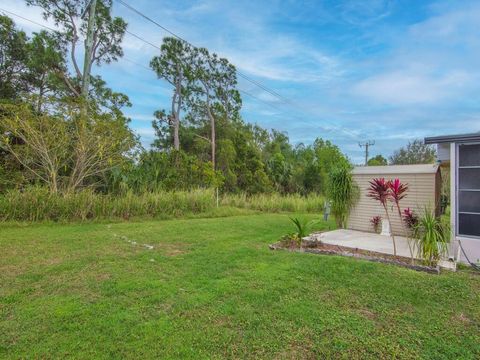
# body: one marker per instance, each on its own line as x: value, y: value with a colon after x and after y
x: 432, y: 237
x: 343, y: 193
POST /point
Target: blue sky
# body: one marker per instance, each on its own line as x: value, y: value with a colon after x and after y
x: 381, y: 70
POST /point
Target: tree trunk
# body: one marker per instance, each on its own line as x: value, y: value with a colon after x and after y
x: 391, y: 229
x: 176, y: 107
x: 212, y: 134
x: 406, y: 235
x: 212, y: 122
x: 176, y: 133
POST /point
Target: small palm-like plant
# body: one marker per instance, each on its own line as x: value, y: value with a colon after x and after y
x: 380, y: 190
x: 303, y: 228
x: 432, y: 237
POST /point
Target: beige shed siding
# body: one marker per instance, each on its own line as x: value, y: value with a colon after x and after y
x: 422, y: 192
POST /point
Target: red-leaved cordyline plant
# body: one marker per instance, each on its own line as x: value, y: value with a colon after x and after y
x: 376, y: 221
x: 409, y: 218
x: 380, y: 190
x: 398, y: 192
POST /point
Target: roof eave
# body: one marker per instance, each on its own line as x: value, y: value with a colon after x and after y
x: 452, y: 138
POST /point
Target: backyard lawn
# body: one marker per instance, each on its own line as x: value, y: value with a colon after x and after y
x: 211, y: 288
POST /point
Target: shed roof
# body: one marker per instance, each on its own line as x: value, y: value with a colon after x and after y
x: 396, y: 169
x: 453, y: 138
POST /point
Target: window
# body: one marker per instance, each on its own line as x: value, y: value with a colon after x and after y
x: 469, y: 190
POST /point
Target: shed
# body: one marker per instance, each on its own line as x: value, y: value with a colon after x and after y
x: 424, y: 184
x: 462, y: 153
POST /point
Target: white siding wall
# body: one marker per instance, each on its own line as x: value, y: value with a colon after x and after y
x: 421, y: 193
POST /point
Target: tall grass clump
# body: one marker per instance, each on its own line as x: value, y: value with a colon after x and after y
x: 432, y: 237
x: 38, y: 204
x: 343, y: 193
x: 276, y: 202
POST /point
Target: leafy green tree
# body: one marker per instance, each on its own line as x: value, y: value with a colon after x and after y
x: 216, y: 94
x: 174, y: 64
x: 328, y: 157
x: 378, y: 160
x: 46, y: 145
x: 416, y: 152
x: 45, y: 60
x: 107, y: 37
x: 13, y: 55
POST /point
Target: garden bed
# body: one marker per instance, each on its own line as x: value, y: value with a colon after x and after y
x: 321, y: 248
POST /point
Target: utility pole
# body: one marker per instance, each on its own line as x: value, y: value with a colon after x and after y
x: 91, y: 7
x: 366, y: 144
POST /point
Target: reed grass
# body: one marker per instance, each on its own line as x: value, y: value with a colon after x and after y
x: 38, y: 204
x: 276, y: 203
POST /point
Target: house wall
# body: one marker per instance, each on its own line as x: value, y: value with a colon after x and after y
x: 470, y: 245
x: 423, y: 192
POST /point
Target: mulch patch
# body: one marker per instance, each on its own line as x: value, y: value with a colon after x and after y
x: 328, y: 249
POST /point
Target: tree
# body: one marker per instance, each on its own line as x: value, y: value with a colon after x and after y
x: 174, y: 64
x: 216, y: 94
x: 328, y: 157
x: 46, y: 144
x: 45, y: 60
x: 12, y: 59
x: 378, y: 160
x: 416, y: 152
x: 107, y: 35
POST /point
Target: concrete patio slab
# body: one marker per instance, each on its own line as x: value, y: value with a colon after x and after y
x: 366, y: 241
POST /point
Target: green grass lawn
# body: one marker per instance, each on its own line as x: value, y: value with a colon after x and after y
x: 211, y: 288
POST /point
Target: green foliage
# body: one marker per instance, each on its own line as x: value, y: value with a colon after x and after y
x: 13, y: 56
x: 161, y: 171
x: 302, y: 229
x: 39, y: 204
x: 343, y: 193
x: 64, y: 150
x: 303, y: 226
x: 416, y: 152
x: 432, y: 237
x: 48, y: 139
x: 378, y: 160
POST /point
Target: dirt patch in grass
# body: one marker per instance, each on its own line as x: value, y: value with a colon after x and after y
x: 367, y: 314
x: 175, y: 252
x: 462, y: 318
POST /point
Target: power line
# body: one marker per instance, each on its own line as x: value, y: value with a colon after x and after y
x: 256, y: 83
x: 240, y: 90
x: 244, y: 76
x: 31, y: 21
x: 141, y: 39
